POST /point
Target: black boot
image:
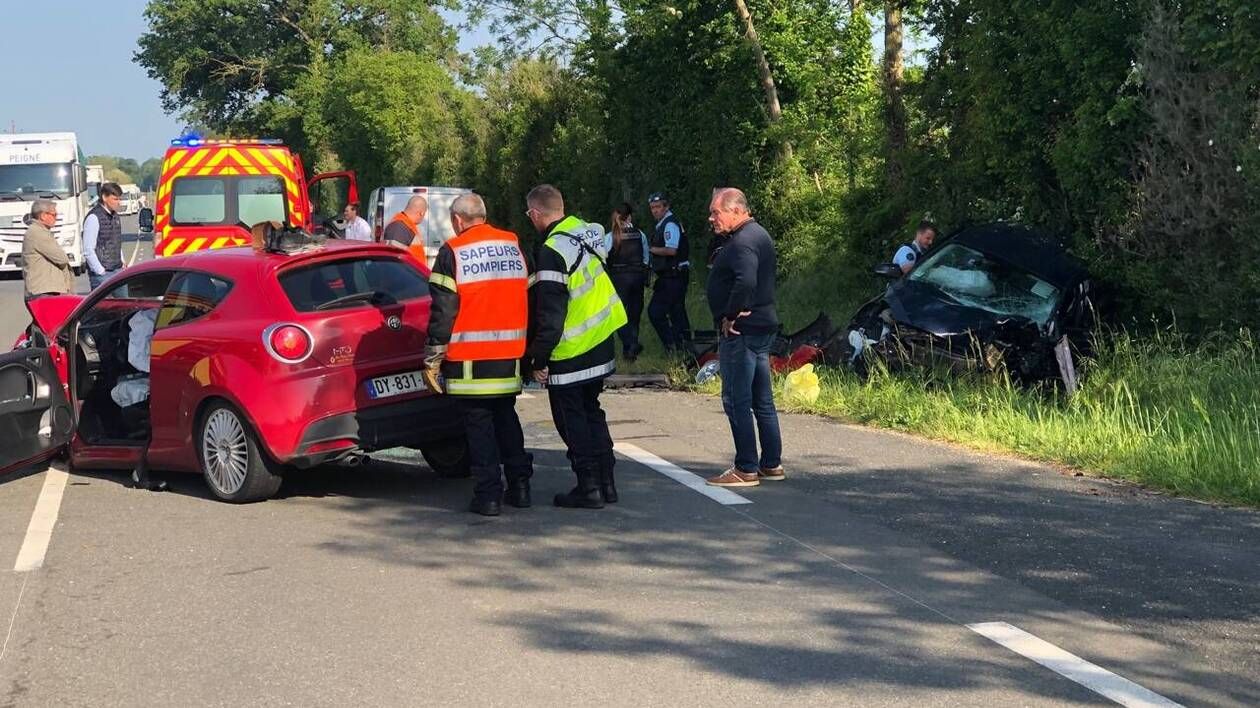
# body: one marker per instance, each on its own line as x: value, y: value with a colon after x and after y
x: 585, y: 495
x: 518, y: 495
x: 485, y: 507
x: 607, y: 483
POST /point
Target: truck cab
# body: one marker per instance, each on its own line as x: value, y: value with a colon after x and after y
x: 42, y: 166
x: 211, y: 192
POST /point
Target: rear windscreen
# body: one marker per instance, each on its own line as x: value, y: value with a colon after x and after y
x: 358, y: 282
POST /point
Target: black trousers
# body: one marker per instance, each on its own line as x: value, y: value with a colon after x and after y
x: 494, y: 438
x: 584, y: 428
x: 630, y: 285
x: 668, y: 308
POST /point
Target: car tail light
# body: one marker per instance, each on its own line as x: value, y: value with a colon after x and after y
x: 289, y: 343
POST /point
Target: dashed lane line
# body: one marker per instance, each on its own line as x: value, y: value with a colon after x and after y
x: 1091, y: 676
x: 43, y: 519
x: 1070, y: 666
x: 720, y: 495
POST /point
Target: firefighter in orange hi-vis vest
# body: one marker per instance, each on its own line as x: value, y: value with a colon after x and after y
x: 404, y: 229
x: 476, y: 340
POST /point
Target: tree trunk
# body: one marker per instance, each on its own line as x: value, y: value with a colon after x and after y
x: 768, y: 87
x: 894, y: 101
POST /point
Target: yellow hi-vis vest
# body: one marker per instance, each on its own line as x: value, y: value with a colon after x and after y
x: 595, y: 312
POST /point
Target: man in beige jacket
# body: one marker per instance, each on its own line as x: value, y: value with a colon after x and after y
x: 45, y: 266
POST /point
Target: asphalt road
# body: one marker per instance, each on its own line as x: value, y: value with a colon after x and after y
x: 872, y: 576
x: 13, y: 315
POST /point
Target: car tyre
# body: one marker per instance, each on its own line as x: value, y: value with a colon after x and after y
x: 233, y: 464
x: 449, y: 458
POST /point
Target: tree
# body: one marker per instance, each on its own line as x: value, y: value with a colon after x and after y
x: 765, y: 74
x: 150, y: 171
x: 894, y: 87
x: 122, y: 170
x: 258, y: 67
x: 399, y: 118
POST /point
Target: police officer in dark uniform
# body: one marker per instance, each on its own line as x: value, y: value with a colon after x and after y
x: 628, y: 268
x: 909, y: 255
x: 670, y: 253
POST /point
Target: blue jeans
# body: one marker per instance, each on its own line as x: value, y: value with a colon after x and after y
x: 95, y: 280
x: 748, y: 394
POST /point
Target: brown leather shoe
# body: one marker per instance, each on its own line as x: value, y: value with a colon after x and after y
x: 734, y: 478
x: 772, y: 474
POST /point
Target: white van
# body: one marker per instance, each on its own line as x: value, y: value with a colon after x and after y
x: 384, y: 202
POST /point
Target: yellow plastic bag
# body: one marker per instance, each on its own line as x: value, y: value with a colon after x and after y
x: 801, y: 386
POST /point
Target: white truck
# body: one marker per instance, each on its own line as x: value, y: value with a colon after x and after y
x: 42, y: 166
x: 132, y: 200
x: 95, y: 178
x: 384, y: 202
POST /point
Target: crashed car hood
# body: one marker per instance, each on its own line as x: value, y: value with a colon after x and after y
x: 923, y: 307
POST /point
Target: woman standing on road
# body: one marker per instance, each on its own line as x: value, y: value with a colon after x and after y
x: 627, y: 266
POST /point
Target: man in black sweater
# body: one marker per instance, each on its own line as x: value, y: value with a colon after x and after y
x: 741, y: 297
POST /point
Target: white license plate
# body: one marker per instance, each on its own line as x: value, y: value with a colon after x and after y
x: 394, y: 384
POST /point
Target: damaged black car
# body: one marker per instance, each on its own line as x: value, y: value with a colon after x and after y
x: 990, y: 298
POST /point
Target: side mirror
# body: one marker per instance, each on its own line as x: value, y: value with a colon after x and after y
x: 892, y: 271
x: 146, y: 220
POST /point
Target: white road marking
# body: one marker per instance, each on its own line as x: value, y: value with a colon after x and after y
x: 1091, y: 676
x: 43, y: 519
x: 720, y: 495
x: 4, y: 648
x: 1068, y: 665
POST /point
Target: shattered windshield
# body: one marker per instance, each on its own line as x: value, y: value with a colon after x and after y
x: 976, y: 280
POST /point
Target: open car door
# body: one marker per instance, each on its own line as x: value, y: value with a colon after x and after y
x: 329, y: 193
x: 35, y: 418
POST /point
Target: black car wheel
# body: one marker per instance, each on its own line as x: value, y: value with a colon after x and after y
x: 449, y: 458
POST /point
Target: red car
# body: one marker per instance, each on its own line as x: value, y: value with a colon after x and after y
x: 260, y: 362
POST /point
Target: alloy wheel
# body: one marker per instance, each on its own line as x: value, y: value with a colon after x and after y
x: 225, y: 451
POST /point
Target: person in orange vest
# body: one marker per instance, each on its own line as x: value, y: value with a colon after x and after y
x: 403, y: 230
x: 477, y: 332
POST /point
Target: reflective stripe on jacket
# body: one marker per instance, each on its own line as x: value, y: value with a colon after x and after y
x: 594, y: 311
x: 480, y: 311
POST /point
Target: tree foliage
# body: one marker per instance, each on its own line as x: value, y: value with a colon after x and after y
x: 1126, y: 127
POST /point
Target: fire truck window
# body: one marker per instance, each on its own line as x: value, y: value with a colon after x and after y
x: 259, y: 199
x: 198, y: 200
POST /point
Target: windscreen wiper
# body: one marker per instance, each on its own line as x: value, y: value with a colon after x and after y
x: 16, y: 194
x: 375, y: 297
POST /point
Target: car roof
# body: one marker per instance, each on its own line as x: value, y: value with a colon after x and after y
x: 241, y: 259
x: 1027, y: 248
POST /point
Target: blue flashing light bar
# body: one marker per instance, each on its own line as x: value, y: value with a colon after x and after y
x: 192, y: 141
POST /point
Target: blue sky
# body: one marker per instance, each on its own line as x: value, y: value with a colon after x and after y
x: 72, y: 64
x: 73, y: 43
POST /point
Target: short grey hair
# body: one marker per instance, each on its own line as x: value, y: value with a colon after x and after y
x: 42, y: 206
x: 731, y: 199
x: 469, y: 207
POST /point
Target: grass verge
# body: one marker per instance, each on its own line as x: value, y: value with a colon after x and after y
x: 1156, y: 411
